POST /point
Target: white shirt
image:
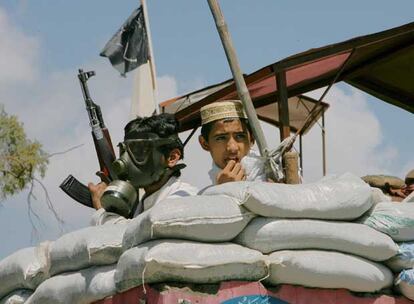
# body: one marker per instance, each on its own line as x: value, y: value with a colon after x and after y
x: 173, y: 188
x: 253, y: 165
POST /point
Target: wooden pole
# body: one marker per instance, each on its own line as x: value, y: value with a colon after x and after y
x: 242, y: 90
x: 151, y: 59
x: 283, y: 105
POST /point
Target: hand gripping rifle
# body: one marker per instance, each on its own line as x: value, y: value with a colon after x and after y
x: 103, y: 145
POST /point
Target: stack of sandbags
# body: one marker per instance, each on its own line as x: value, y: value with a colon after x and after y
x: 194, y: 228
x: 403, y: 266
x: 23, y: 271
x: 397, y: 221
x: 188, y: 261
x: 344, y: 198
x: 310, y: 219
x: 215, y: 218
x: 79, y: 267
x: 18, y: 296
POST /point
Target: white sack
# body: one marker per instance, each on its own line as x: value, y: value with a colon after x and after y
x: 327, y: 269
x: 17, y: 297
x: 345, y: 197
x: 378, y: 196
x: 97, y: 245
x: 394, y: 219
x: 405, y: 283
x: 409, y: 198
x: 268, y: 235
x: 185, y: 261
x: 82, y: 287
x: 404, y: 259
x: 24, y: 269
x: 200, y: 218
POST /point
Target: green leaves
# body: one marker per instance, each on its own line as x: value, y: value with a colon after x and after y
x: 20, y: 158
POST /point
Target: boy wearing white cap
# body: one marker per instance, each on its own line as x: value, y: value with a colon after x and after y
x: 226, y: 134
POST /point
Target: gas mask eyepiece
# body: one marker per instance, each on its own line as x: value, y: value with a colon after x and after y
x: 140, y: 164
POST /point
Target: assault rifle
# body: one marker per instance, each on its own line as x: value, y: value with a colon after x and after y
x: 103, y: 145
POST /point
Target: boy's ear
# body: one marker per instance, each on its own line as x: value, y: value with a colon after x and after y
x: 203, y: 143
x: 174, y: 157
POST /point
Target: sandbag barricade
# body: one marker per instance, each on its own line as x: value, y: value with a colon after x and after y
x: 81, y: 287
x: 404, y: 259
x: 183, y: 240
x: 343, y: 198
x: 186, y: 261
x: 405, y: 283
x: 268, y: 235
x: 394, y: 219
x: 24, y: 269
x: 18, y: 296
x: 215, y: 218
x: 327, y: 269
x: 97, y: 245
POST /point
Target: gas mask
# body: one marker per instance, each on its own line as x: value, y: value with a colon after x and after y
x: 140, y: 164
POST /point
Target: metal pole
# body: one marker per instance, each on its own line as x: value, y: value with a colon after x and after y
x: 242, y: 90
x: 323, y: 145
x: 301, y: 155
x: 151, y: 60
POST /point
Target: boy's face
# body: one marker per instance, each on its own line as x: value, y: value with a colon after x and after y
x: 229, y: 139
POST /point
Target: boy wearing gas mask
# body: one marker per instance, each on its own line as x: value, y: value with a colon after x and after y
x: 148, y: 159
x: 226, y: 134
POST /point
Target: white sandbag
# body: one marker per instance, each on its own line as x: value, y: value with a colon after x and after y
x: 409, y: 198
x: 394, y: 219
x: 346, y: 197
x: 268, y: 235
x: 378, y: 196
x: 98, y: 245
x: 17, y: 297
x: 82, y: 287
x: 24, y: 269
x: 186, y: 261
x: 405, y: 283
x: 404, y: 259
x: 327, y: 269
x: 200, y: 218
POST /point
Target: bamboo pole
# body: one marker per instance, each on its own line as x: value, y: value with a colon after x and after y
x: 242, y: 90
x: 151, y: 59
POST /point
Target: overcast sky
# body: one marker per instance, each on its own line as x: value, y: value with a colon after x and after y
x: 43, y: 43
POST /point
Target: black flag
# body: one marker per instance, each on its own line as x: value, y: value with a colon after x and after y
x: 128, y: 48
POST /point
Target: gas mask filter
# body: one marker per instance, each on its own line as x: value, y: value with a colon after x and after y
x: 140, y: 164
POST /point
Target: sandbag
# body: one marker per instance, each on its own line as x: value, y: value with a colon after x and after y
x: 268, y: 235
x: 200, y: 218
x: 409, y: 198
x: 82, y: 287
x: 404, y: 259
x: 17, y: 297
x: 346, y: 197
x: 327, y: 269
x: 378, y: 196
x: 97, y: 245
x: 24, y: 269
x: 186, y: 261
x: 405, y: 283
x: 382, y: 181
x: 394, y: 219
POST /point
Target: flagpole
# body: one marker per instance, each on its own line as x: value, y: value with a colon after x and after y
x: 151, y: 59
